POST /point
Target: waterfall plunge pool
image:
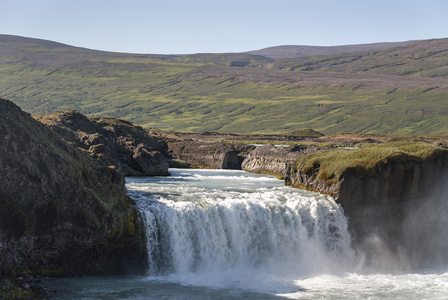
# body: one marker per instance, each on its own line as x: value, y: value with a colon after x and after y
x: 222, y: 234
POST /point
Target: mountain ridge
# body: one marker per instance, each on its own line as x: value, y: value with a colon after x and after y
x: 291, y: 51
x: 307, y: 49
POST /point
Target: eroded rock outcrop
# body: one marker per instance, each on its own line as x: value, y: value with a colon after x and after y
x: 299, y: 179
x: 273, y: 160
x: 61, y: 211
x: 210, y: 155
x: 116, y: 142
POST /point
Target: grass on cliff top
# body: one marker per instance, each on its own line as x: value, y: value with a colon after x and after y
x: 365, y: 161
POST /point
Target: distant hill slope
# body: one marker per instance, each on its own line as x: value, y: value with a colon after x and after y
x: 290, y: 51
x: 52, y: 54
x: 397, y: 90
x: 427, y: 58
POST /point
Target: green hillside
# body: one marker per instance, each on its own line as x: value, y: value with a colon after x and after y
x: 423, y: 58
x: 237, y: 92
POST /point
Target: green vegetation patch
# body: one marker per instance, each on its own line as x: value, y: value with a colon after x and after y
x: 366, y: 161
x: 15, y: 289
x: 238, y: 93
x: 307, y: 132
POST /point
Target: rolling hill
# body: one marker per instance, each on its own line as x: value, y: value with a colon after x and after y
x: 291, y: 51
x: 382, y: 88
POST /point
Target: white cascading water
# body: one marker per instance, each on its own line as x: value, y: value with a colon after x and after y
x: 215, y: 234
x: 244, y: 222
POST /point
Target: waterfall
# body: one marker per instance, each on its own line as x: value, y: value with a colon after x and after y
x: 216, y: 234
x: 194, y: 228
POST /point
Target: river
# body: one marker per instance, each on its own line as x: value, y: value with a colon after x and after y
x: 222, y: 234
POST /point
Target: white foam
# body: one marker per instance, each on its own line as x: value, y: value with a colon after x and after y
x: 373, y: 286
x: 234, y: 230
x: 252, y: 238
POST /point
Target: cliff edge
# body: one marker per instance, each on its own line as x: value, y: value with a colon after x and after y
x: 61, y: 211
x: 210, y: 155
x: 274, y: 160
x: 394, y: 195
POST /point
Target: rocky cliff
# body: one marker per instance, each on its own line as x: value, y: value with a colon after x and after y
x: 210, y: 155
x: 61, y: 211
x: 396, y: 205
x: 269, y: 159
x: 114, y: 141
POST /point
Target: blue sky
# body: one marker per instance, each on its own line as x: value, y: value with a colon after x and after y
x: 192, y: 26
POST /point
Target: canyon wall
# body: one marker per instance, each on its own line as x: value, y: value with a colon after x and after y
x: 269, y: 159
x: 62, y: 212
x: 210, y: 155
x: 396, y: 211
x: 400, y: 210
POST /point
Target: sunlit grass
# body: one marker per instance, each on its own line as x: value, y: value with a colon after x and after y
x: 365, y: 161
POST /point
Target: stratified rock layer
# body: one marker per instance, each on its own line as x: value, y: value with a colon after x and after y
x: 398, y: 212
x: 61, y: 211
x: 210, y: 155
x: 273, y: 160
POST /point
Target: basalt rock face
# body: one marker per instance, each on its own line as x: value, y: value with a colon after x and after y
x: 210, y: 155
x: 62, y: 212
x: 404, y: 206
x: 114, y: 141
x: 273, y: 160
x: 398, y: 213
x: 398, y: 182
x: 299, y: 179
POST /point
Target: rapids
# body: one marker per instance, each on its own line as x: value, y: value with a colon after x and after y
x: 221, y: 234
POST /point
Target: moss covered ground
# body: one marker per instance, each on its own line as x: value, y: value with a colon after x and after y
x: 365, y: 160
x: 13, y: 289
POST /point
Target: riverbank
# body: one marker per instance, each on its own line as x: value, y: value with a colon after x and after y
x: 29, y: 288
